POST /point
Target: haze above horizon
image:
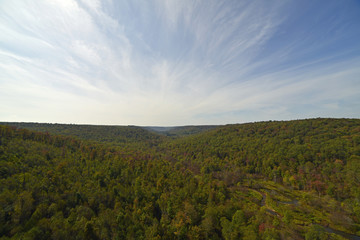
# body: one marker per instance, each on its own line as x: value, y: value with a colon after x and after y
x: 177, y: 63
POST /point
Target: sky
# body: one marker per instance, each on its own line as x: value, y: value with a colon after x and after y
x: 178, y: 62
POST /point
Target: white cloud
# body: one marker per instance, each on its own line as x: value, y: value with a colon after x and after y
x: 161, y: 63
x: 86, y: 52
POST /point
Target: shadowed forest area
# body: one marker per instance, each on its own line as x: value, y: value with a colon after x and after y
x: 267, y: 180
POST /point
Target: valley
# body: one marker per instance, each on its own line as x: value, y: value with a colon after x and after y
x: 266, y: 180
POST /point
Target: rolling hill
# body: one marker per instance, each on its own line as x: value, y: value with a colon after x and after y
x: 266, y: 180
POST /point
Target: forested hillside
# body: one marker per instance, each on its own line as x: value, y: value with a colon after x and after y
x: 267, y: 180
x: 319, y: 154
x: 111, y: 135
x: 116, y: 135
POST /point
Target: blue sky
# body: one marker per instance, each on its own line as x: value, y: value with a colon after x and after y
x: 178, y: 62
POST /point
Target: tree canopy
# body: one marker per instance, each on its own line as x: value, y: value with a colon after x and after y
x: 267, y: 180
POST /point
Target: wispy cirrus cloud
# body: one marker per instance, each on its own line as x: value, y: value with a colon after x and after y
x: 177, y: 62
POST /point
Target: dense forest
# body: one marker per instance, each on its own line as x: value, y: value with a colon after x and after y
x: 266, y: 180
x: 111, y: 135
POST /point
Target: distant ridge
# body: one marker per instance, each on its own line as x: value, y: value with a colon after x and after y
x: 180, y: 131
x: 114, y: 135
